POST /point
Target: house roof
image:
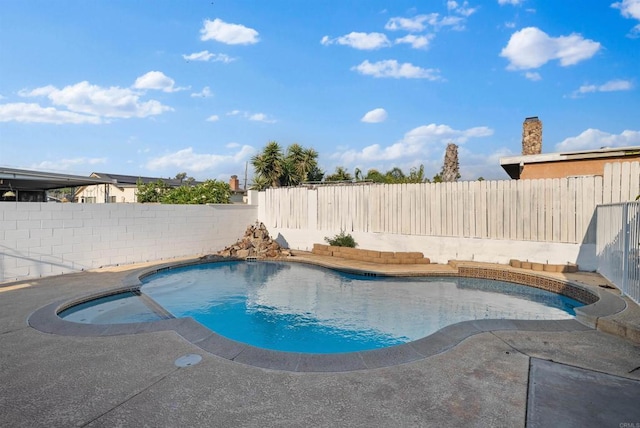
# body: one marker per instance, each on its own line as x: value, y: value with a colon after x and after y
x: 513, y: 164
x: 22, y: 179
x: 120, y: 180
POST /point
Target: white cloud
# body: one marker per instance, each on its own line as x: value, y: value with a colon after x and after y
x: 94, y: 100
x: 419, y: 23
x: 461, y: 9
x: 531, y: 48
x: 231, y: 34
x: 416, y: 42
x: 391, y: 68
x: 187, y: 159
x: 595, y: 139
x: 418, y: 142
x: 34, y: 113
x: 363, y: 41
x: 256, y: 117
x: 156, y: 80
x: 199, y: 56
x: 510, y: 25
x: 610, y: 86
x: 375, y: 116
x: 630, y: 9
x: 68, y: 164
x: 208, y: 56
x: 415, y: 24
x: 205, y: 93
x: 261, y: 117
x: 213, y: 118
x: 533, y: 76
x: 513, y: 2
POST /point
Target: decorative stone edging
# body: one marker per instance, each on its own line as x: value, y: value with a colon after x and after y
x: 371, y: 256
x: 568, y: 268
x: 558, y: 286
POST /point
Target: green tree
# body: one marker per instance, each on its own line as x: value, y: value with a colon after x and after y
x: 395, y: 175
x: 341, y: 174
x: 151, y: 192
x: 209, y: 192
x: 375, y: 176
x: 316, y: 174
x: 416, y: 175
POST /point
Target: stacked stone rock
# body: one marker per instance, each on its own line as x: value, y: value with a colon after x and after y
x: 371, y: 256
x: 256, y: 242
x: 532, y: 136
x: 451, y: 167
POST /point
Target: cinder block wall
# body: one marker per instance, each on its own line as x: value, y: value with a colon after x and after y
x: 43, y: 239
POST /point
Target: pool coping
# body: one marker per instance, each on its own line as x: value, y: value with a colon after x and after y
x: 604, y: 303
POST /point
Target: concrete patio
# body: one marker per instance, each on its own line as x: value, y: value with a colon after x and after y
x: 545, y: 376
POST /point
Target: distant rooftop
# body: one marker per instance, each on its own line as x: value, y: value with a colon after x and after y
x: 133, y: 180
x: 28, y: 180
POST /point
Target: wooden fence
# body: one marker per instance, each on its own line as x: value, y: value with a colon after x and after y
x: 550, y: 210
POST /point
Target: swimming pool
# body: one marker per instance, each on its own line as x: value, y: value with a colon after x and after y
x: 308, y: 309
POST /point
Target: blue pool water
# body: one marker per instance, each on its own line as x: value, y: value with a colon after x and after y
x: 300, y: 308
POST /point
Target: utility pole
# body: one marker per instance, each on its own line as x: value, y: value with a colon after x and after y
x: 246, y: 166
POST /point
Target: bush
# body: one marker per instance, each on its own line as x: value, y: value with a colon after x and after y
x: 341, y: 240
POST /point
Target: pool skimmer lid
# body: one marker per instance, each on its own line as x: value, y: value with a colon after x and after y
x: 188, y: 360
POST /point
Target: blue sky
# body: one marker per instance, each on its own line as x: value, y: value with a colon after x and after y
x: 155, y: 88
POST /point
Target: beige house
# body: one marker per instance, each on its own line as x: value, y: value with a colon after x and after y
x: 121, y: 189
x: 567, y: 164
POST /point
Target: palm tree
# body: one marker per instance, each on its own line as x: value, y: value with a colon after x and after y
x: 358, y: 174
x: 274, y: 169
x: 302, y: 162
x: 260, y: 183
x: 269, y: 164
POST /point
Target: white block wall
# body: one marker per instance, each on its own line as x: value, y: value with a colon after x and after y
x: 43, y: 239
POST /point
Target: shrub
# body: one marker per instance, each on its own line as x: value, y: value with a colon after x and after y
x: 341, y: 240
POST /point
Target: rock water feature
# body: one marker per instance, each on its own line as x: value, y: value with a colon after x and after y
x: 257, y: 243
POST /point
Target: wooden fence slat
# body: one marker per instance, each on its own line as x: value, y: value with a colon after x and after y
x: 556, y: 213
x: 548, y: 213
x: 521, y: 211
x: 616, y: 185
x: 625, y: 182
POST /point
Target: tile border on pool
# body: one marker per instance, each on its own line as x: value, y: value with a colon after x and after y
x: 600, y: 303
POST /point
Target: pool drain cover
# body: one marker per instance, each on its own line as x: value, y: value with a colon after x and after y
x: 188, y: 360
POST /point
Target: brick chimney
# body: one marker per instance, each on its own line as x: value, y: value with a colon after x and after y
x: 234, y: 183
x: 532, y: 136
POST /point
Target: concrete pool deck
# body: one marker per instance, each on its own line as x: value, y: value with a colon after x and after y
x: 497, y: 377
